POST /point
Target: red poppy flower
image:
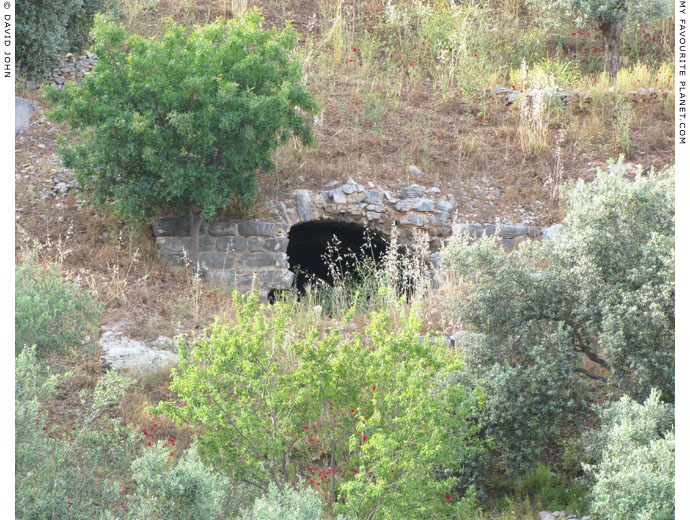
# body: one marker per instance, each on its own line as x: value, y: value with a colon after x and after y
x: 313, y: 469
x: 365, y: 438
x: 306, y: 427
x: 475, y: 54
x: 165, y: 445
x: 573, y: 34
x: 69, y: 502
x: 350, y: 60
x: 373, y: 387
x: 172, y: 453
x: 410, y: 64
x: 318, y: 483
x: 594, y: 50
x: 149, y: 444
x: 171, y: 439
x: 371, y: 473
x: 587, y: 33
x: 354, y: 49
x: 354, y: 471
x: 521, y: 91
x: 595, y: 80
x: 352, y: 410
x: 143, y: 431
x: 602, y: 370
x: 653, y: 37
x: 132, y: 450
x: 311, y: 480
x: 447, y: 497
x: 155, y: 426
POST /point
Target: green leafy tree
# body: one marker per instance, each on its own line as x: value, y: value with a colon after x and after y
x: 370, y: 420
x: 634, y: 476
x: 610, y: 16
x: 184, y: 122
x: 593, y: 305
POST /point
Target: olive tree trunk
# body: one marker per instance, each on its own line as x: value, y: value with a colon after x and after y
x: 612, y: 52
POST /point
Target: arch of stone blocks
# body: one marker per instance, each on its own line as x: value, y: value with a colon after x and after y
x: 252, y: 253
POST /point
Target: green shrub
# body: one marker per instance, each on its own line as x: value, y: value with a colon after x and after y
x: 185, y: 121
x: 181, y: 489
x: 600, y: 292
x: 41, y: 34
x: 290, y: 504
x: 552, y: 491
x: 80, y: 23
x: 62, y: 476
x: 268, y: 395
x: 51, y: 313
x: 635, y: 477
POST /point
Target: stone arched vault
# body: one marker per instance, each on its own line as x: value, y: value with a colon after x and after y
x: 254, y: 253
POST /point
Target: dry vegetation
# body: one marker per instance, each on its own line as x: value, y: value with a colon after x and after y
x: 391, y: 103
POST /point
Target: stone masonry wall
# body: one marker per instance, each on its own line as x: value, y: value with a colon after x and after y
x: 254, y: 253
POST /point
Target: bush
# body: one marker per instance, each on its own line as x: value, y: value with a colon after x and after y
x: 635, y: 476
x: 183, y: 122
x: 268, y: 395
x: 80, y: 23
x: 51, y: 313
x: 41, y: 34
x: 303, y: 504
x: 599, y: 294
x: 46, y: 28
x: 61, y: 476
x: 184, y: 489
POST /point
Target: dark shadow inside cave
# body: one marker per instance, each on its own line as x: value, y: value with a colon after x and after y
x: 315, y: 247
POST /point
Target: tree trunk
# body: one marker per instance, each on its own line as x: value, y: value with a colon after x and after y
x: 612, y: 53
x: 194, y: 228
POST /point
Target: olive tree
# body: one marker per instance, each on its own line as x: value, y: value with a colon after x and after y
x: 610, y: 16
x: 183, y: 123
x: 595, y: 305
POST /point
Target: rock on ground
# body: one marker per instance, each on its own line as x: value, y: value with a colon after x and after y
x: 22, y: 113
x: 135, y: 357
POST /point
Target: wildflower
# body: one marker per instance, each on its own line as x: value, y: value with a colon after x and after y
x: 171, y: 439
x: 313, y: 469
x: 172, y: 453
x: 513, y: 87
x: 595, y: 80
x: 311, y: 480
x: 165, y: 445
x: 371, y: 473
x: 155, y: 425
x: 306, y: 426
x: 373, y: 387
x: 594, y: 50
x: 602, y: 370
x: 354, y: 471
x: 642, y: 111
x: 354, y: 49
x: 521, y: 91
x: 352, y: 410
x: 69, y: 502
x: 475, y: 54
x: 350, y: 60
x: 410, y: 64
x: 318, y: 483
x: 447, y: 496
x: 573, y: 34
x: 132, y: 450
x: 365, y: 438
x: 587, y: 33
x: 653, y: 37
x: 143, y: 431
x: 149, y: 444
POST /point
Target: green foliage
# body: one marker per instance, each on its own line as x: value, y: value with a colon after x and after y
x: 61, y: 476
x: 600, y: 291
x: 551, y: 490
x: 41, y: 34
x: 185, y: 121
x: 80, y: 23
x: 46, y: 28
x: 181, y: 489
x: 634, y: 477
x: 617, y: 12
x: 53, y: 314
x: 290, y: 504
x: 371, y: 413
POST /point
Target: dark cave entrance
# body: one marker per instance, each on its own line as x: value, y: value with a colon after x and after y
x: 315, y: 246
